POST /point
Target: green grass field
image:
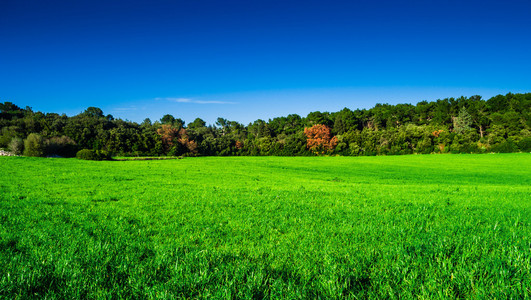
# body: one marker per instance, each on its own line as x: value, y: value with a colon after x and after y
x: 419, y: 226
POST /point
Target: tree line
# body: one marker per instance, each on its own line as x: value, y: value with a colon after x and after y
x: 451, y: 125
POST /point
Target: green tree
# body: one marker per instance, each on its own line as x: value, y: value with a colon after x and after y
x: 463, y: 121
x: 34, y: 145
x: 16, y: 146
x: 318, y: 117
x: 167, y: 119
x: 93, y: 112
x: 197, y: 123
x: 259, y: 129
x: 344, y: 121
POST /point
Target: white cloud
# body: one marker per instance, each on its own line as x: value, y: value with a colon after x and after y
x: 187, y: 100
x: 180, y: 100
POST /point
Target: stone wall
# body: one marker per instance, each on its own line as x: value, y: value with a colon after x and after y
x: 6, y: 153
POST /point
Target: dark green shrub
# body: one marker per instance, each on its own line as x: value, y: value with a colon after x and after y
x: 102, y: 155
x: 525, y: 144
x: 34, y: 145
x: 62, y: 146
x: 7, y: 134
x: 87, y: 154
x: 505, y: 147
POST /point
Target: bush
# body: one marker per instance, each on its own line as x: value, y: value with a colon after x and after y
x: 16, y: 146
x: 34, y: 145
x: 103, y: 155
x: 505, y: 147
x: 525, y: 144
x: 62, y: 146
x: 87, y: 154
x: 7, y: 134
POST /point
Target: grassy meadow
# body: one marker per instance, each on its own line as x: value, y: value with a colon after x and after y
x: 418, y: 226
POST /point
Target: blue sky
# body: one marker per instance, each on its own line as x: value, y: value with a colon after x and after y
x: 245, y: 60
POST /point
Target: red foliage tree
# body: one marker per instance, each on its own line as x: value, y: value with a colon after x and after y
x: 170, y: 135
x: 192, y: 147
x: 185, y: 141
x: 319, y: 139
x: 167, y: 133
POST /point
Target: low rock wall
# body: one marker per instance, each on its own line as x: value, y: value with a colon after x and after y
x: 6, y: 153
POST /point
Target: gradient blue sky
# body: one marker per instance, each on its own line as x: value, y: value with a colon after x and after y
x: 245, y: 60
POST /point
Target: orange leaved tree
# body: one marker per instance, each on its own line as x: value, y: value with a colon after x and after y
x: 184, y: 139
x: 319, y: 139
x: 176, y: 140
x: 168, y: 134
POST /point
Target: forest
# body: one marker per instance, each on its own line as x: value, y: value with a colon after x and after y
x: 452, y: 125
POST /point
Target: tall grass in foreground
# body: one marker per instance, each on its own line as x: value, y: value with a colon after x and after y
x: 434, y: 226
